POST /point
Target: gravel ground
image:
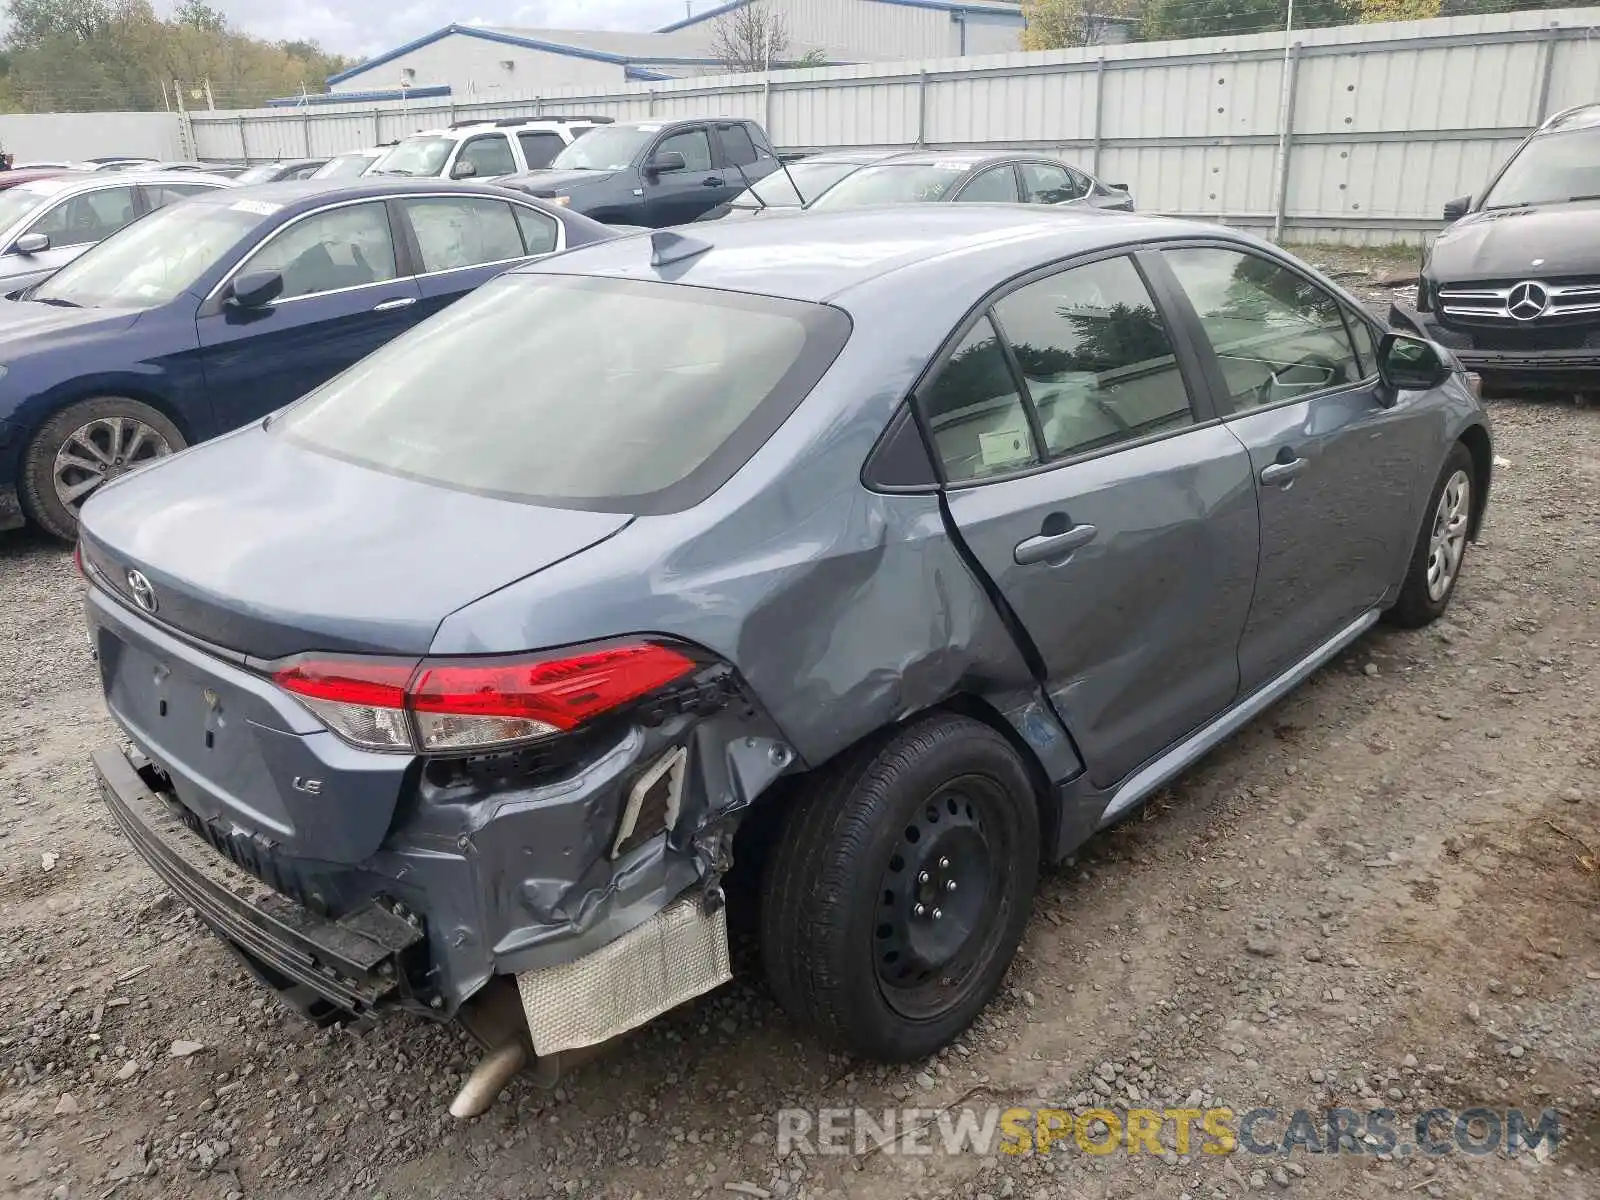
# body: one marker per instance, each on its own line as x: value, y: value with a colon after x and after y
x: 1382, y: 893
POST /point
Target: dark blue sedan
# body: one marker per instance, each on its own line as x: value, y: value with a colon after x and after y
x: 213, y: 312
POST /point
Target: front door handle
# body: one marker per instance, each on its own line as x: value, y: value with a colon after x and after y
x: 392, y: 305
x: 712, y: 182
x: 1283, y: 473
x: 1048, y: 547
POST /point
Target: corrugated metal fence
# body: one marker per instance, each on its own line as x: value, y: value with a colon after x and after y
x: 1386, y: 122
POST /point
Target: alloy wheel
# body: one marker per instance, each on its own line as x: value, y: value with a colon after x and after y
x: 1448, y: 541
x: 100, y: 451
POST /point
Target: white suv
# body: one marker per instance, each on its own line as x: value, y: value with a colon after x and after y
x: 484, y: 149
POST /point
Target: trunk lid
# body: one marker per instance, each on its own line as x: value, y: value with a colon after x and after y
x: 263, y: 547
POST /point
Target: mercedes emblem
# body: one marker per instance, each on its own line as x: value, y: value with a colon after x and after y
x: 143, y: 594
x: 1527, y: 301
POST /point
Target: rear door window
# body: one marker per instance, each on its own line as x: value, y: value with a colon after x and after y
x: 541, y: 233
x: 737, y: 148
x: 462, y: 231
x: 1046, y: 183
x: 1096, y: 358
x: 540, y: 147
x: 552, y: 406
x: 974, y: 408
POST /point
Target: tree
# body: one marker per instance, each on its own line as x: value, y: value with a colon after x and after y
x: 1164, y: 19
x: 34, y: 22
x: 90, y: 55
x: 1053, y: 24
x: 197, y: 14
x: 1398, y: 10
x: 751, y: 37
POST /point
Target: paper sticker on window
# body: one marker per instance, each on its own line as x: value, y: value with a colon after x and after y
x: 260, y: 207
x: 1004, y: 447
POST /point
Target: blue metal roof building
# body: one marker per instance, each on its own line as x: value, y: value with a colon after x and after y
x: 482, y: 62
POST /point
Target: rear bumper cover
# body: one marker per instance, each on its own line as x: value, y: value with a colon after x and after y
x: 1575, y: 369
x: 355, y: 964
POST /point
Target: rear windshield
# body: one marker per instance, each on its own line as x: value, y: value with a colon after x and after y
x: 908, y: 183
x: 619, y: 395
x: 778, y: 189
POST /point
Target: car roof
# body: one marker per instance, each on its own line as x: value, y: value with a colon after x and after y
x: 855, y: 157
x: 314, y: 193
x: 84, y: 181
x: 821, y: 256
x: 973, y: 159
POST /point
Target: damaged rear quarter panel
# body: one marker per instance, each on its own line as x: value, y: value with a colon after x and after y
x: 843, y: 610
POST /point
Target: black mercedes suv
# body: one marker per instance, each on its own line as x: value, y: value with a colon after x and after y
x: 1513, y: 286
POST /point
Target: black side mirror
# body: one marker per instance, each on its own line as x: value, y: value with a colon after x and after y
x: 668, y: 163
x: 33, y: 243
x: 1455, y: 209
x: 255, y: 289
x: 1410, y: 364
x: 1117, y: 187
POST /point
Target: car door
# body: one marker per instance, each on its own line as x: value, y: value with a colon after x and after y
x: 997, y: 185
x: 76, y: 223
x: 461, y: 242
x: 678, y: 197
x: 1051, y: 183
x: 1332, y: 463
x: 743, y: 161
x: 344, y: 295
x: 490, y: 156
x: 1114, y: 516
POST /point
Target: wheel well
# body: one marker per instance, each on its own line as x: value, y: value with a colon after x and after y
x: 1476, y: 439
x: 156, y: 401
x: 761, y: 822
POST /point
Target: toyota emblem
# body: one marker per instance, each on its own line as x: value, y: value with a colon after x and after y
x: 143, y: 594
x: 1527, y: 301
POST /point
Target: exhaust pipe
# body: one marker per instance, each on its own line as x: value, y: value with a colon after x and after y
x: 498, y: 1068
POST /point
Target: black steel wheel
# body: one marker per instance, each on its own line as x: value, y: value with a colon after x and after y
x: 898, y: 890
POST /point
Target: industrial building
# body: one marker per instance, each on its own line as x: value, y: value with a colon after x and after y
x: 482, y: 62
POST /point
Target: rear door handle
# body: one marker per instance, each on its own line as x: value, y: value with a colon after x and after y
x: 392, y: 305
x: 712, y: 182
x: 1283, y: 473
x: 1048, y: 547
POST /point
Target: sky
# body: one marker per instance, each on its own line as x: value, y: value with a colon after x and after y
x: 362, y: 28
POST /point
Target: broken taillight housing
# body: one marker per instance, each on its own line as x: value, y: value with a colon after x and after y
x: 475, y: 704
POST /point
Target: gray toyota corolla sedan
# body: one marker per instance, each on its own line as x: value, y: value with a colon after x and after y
x: 828, y: 573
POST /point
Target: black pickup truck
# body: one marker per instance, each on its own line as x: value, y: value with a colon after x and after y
x: 653, y: 173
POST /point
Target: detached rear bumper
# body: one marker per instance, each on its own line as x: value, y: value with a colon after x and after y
x: 1563, y: 370
x: 355, y: 965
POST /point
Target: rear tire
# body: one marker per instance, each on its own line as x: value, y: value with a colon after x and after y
x: 85, y: 445
x: 1441, y: 549
x: 899, y: 888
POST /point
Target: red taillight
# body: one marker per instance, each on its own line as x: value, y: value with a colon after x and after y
x: 473, y: 704
x: 349, y: 681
